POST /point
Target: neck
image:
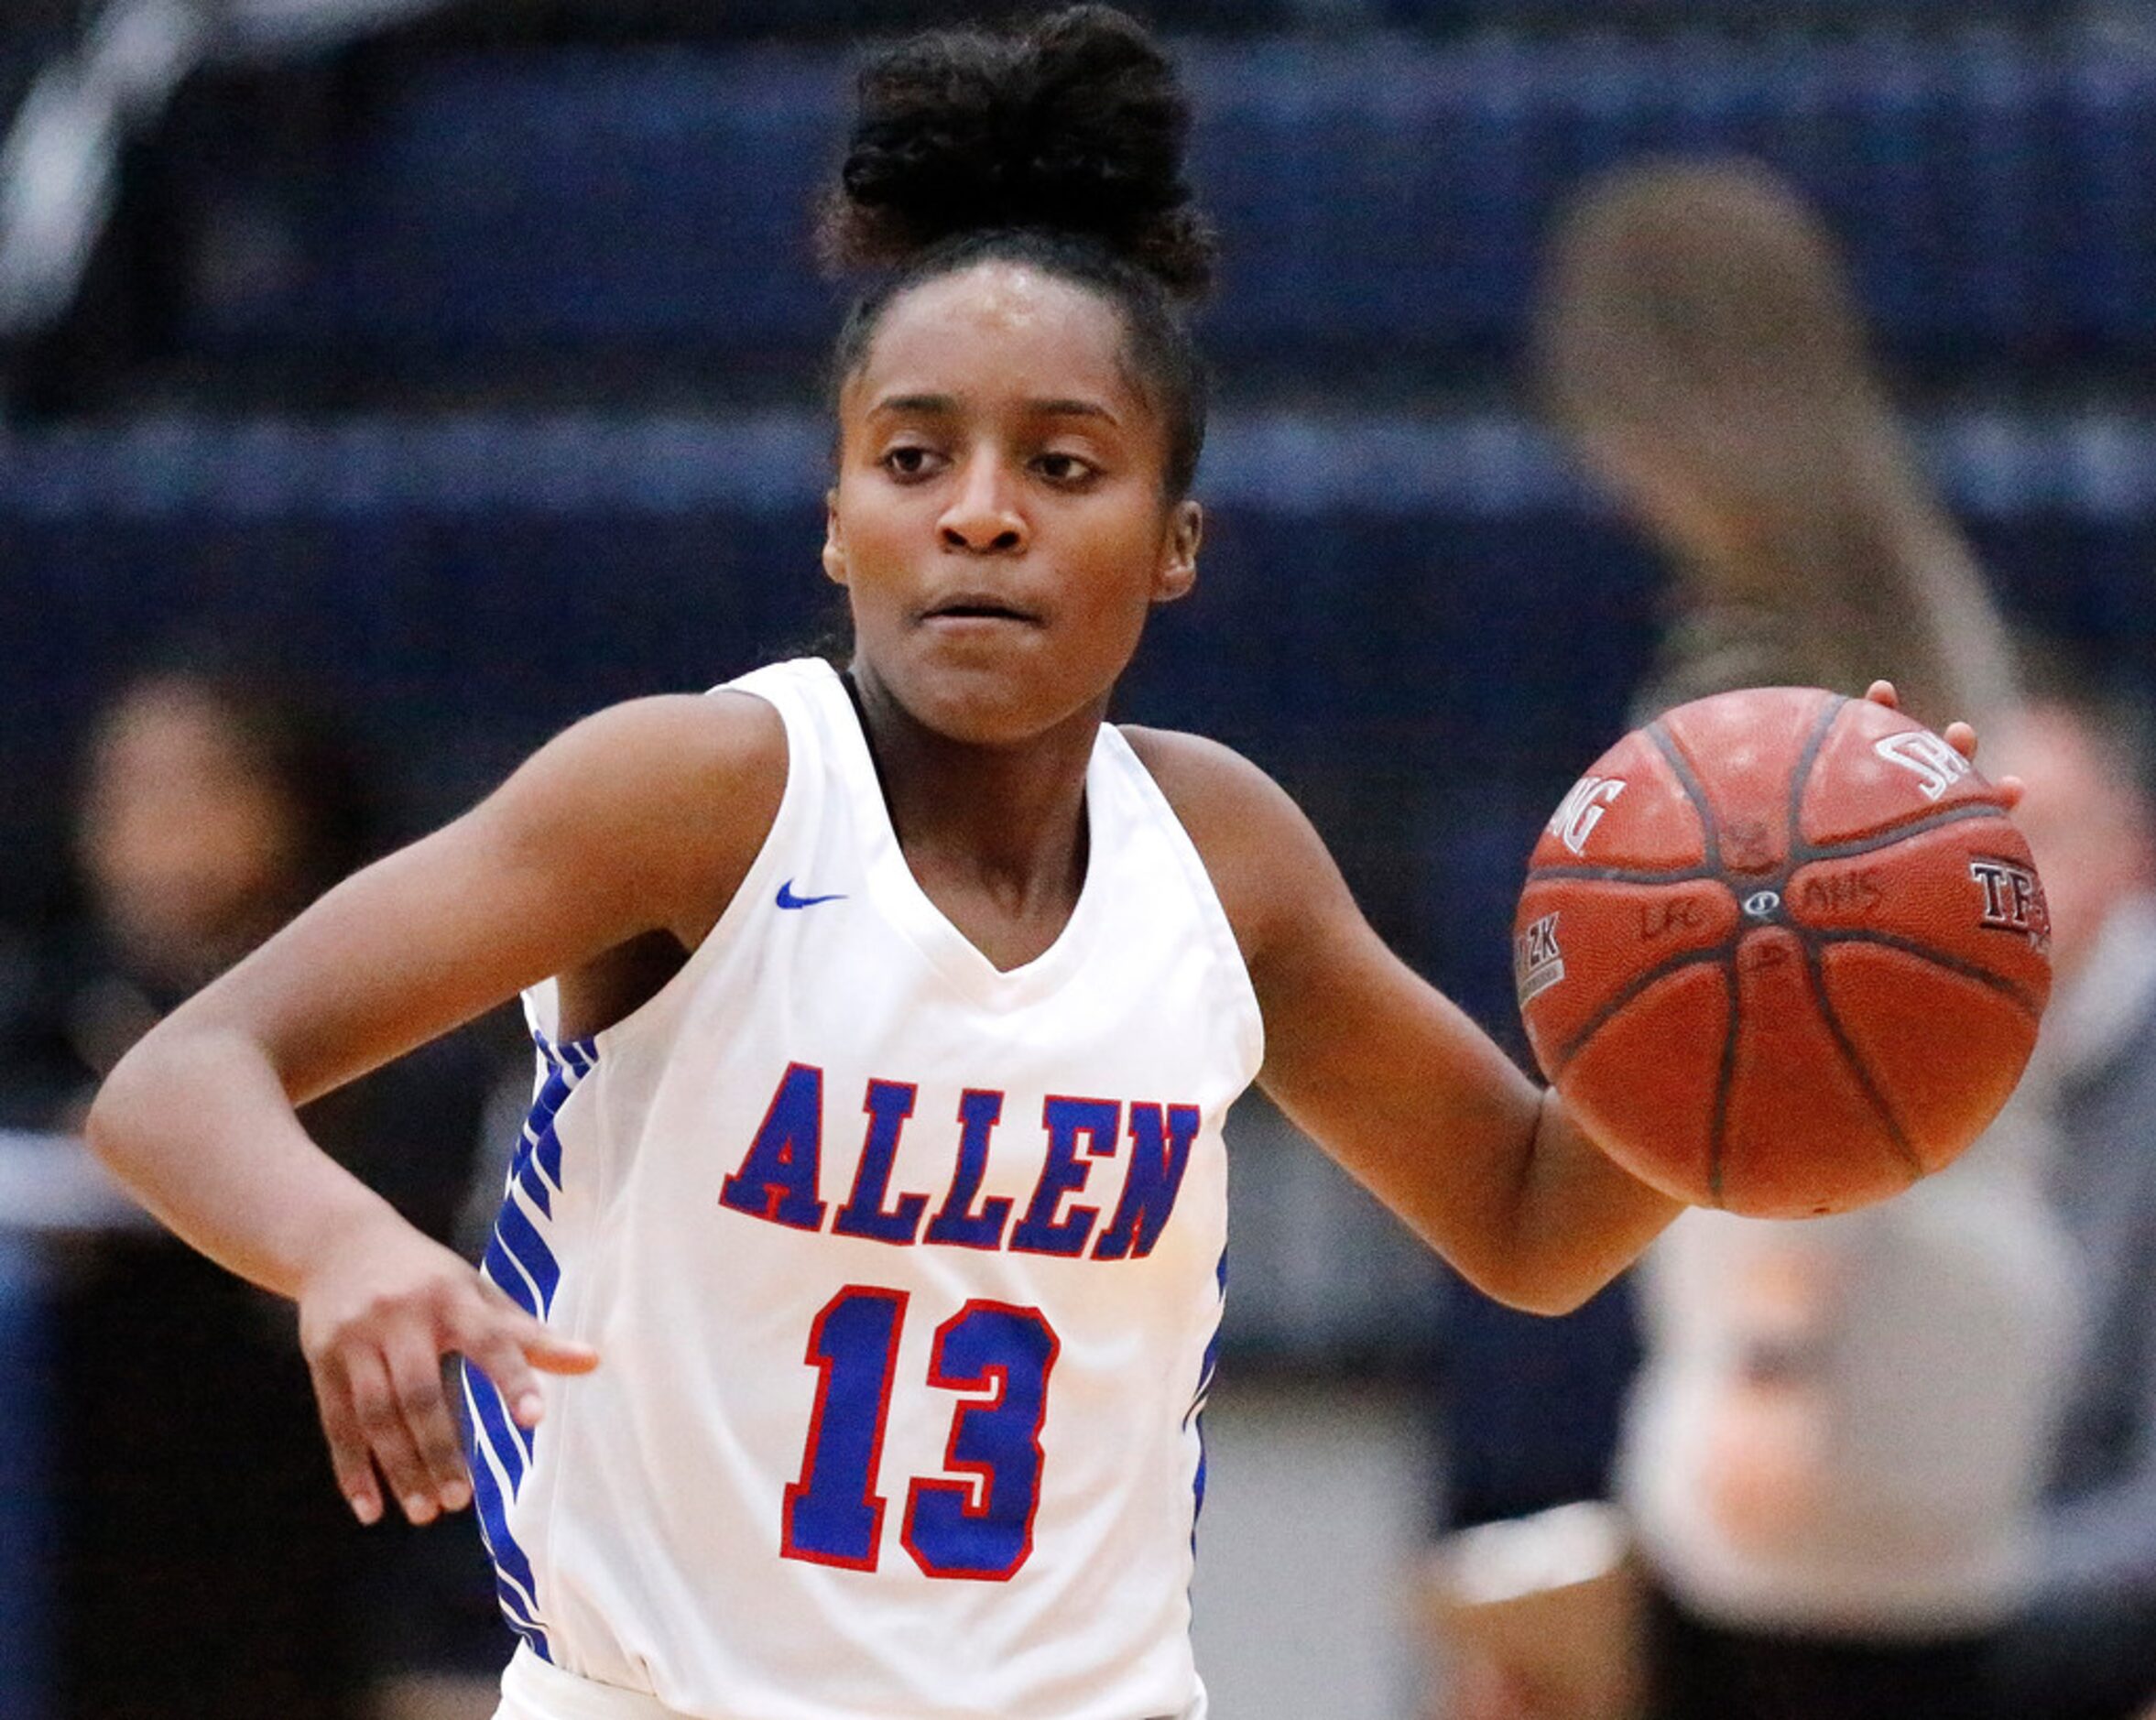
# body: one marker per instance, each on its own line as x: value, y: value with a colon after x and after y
x: 1009, y: 819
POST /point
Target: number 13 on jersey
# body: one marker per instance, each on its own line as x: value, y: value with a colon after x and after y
x: 979, y: 1526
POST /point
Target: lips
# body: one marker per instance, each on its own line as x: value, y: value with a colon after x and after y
x: 979, y: 606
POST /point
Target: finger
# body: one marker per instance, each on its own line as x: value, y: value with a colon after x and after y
x: 2010, y: 791
x: 552, y: 1354
x: 545, y: 1348
x: 1962, y: 738
x: 373, y: 1399
x: 354, y: 1468
x: 415, y: 1373
x: 1882, y: 693
x: 495, y: 1340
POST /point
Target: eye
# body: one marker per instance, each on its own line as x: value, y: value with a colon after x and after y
x: 1065, y: 469
x: 908, y: 460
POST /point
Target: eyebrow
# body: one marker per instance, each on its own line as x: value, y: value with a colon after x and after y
x: 944, y: 405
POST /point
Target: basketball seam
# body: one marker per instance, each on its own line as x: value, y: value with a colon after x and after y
x: 1733, y: 1020
x: 1814, y: 973
x: 1688, y: 779
x: 1631, y: 993
x: 1621, y: 875
x: 1801, y: 779
x: 1805, y: 854
x: 1815, y: 936
x: 1725, y: 1079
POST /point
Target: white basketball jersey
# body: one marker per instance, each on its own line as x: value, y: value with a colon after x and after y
x: 905, y: 1273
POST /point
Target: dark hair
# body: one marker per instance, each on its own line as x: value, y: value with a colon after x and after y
x: 1059, y: 145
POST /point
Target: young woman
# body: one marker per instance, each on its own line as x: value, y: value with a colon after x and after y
x: 893, y: 1017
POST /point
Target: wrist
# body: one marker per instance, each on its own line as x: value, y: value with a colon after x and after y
x: 348, y: 1221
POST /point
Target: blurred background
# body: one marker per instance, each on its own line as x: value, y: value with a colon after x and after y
x: 457, y: 368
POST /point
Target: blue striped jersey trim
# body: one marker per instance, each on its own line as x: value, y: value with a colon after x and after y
x: 1197, y: 1413
x: 520, y: 1259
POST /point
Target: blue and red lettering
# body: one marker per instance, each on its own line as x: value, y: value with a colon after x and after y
x: 1064, y: 1173
x: 888, y: 1105
x: 1161, y: 1139
x: 833, y: 1514
x: 978, y: 1528
x: 981, y: 1528
x: 978, y: 1112
x: 778, y: 1180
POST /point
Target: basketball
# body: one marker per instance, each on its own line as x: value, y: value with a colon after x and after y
x: 1783, y: 951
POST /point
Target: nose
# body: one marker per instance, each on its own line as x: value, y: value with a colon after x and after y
x: 982, y: 519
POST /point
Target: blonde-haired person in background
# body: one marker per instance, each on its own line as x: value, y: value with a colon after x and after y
x: 1696, y: 345
x: 1832, y: 1453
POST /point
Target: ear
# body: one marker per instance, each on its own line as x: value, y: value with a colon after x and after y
x: 834, y: 539
x: 1178, y: 571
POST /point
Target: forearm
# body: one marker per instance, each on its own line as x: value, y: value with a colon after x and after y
x: 1577, y: 1218
x: 1520, y: 1203
x: 1391, y: 1077
x: 1426, y: 1111
x: 198, y: 1125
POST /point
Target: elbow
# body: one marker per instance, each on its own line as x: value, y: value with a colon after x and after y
x: 1568, y: 1225
x: 1551, y: 1300
x: 106, y: 1128
x: 140, y: 1100
x: 1521, y: 1281
x: 1549, y: 1296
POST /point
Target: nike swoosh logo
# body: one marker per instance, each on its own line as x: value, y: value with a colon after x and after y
x: 787, y: 899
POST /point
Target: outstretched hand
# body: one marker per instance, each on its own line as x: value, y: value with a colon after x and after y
x: 376, y: 1315
x: 1958, y: 735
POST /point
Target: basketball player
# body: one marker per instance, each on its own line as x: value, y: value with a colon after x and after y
x: 893, y: 1017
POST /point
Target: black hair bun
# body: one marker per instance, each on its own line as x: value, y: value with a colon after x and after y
x: 1076, y: 125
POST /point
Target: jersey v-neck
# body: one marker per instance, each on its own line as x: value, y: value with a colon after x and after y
x: 899, y: 895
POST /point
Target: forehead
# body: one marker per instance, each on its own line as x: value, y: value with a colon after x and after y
x: 1000, y: 331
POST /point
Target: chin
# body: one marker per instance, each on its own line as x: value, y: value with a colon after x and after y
x: 979, y: 704
x: 986, y: 721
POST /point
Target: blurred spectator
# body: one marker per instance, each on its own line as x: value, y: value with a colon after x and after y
x: 207, y: 1566
x: 1697, y: 344
x: 2086, y: 1647
x: 210, y: 810
x: 1835, y: 1440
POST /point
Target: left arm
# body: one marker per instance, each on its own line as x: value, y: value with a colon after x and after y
x: 1388, y: 1075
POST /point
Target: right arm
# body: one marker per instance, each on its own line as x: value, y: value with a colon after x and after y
x: 638, y: 822
x: 1390, y: 1077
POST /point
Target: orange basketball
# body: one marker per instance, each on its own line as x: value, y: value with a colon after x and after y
x: 1783, y: 951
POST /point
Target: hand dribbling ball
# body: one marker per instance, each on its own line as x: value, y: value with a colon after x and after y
x: 1783, y: 951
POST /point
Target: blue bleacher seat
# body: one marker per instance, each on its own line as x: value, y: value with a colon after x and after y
x: 1379, y: 198
x: 1392, y: 611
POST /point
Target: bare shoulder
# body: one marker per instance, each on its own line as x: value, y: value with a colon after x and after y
x: 1205, y: 782
x: 1269, y: 866
x: 678, y: 743
x: 670, y: 796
